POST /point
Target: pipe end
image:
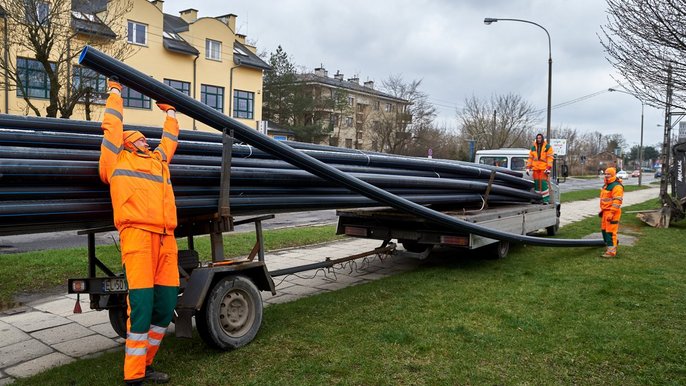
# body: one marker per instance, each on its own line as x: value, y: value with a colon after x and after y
x: 83, y: 53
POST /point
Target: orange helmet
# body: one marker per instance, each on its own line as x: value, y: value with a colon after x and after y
x: 612, y: 172
x: 131, y: 136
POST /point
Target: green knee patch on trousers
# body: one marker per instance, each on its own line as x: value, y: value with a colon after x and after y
x: 165, y: 302
x: 140, y: 301
x: 607, y: 236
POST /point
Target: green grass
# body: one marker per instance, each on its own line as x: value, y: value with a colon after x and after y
x: 586, y: 194
x: 40, y: 271
x: 542, y: 316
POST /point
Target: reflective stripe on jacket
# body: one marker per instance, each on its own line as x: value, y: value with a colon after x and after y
x: 540, y: 157
x: 140, y: 184
x: 611, y: 197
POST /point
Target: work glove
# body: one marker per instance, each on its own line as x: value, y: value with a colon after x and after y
x: 113, y: 82
x: 165, y: 107
x: 547, y: 171
x: 528, y: 172
x: 600, y: 214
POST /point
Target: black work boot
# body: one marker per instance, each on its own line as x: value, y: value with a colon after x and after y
x: 152, y: 376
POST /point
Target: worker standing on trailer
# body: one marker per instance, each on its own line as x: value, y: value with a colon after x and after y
x: 541, y: 162
x: 611, y: 197
x: 145, y: 216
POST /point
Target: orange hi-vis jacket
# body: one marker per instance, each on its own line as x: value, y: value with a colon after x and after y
x: 140, y: 184
x: 611, y: 197
x: 540, y: 157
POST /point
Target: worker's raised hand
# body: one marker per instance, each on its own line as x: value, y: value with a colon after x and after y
x: 547, y: 171
x: 600, y: 214
x: 528, y: 172
x: 165, y: 107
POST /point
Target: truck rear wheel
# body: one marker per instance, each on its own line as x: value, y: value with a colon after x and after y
x: 553, y: 229
x: 498, y: 250
x: 413, y: 246
x: 232, y: 313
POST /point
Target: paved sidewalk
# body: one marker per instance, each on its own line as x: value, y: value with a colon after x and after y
x: 46, y: 333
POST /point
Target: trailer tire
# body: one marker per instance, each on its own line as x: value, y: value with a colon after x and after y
x: 232, y: 313
x: 414, y: 246
x: 118, y: 318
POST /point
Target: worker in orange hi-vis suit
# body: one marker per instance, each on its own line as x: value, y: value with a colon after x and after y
x: 611, y: 197
x: 541, y: 162
x: 145, y: 216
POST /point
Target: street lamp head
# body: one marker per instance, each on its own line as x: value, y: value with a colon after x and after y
x: 489, y: 20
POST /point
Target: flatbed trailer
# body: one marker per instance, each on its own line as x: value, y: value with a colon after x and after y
x: 419, y: 236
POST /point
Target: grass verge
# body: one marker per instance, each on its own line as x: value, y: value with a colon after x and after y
x: 586, y: 194
x: 540, y: 316
x: 40, y: 271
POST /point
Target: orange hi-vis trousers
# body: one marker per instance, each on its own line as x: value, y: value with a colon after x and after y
x: 609, y: 229
x: 150, y: 263
x: 541, y: 185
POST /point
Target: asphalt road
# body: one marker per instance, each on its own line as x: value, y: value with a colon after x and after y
x: 61, y: 240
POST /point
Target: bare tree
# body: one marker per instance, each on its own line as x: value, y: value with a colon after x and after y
x: 503, y: 121
x: 45, y: 39
x: 396, y: 129
x: 642, y: 38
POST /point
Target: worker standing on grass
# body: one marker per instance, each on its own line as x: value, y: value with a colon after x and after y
x: 611, y: 197
x: 541, y: 162
x: 145, y: 216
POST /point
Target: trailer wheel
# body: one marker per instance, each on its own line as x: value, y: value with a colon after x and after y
x: 231, y: 314
x: 498, y: 250
x: 118, y: 318
x: 413, y: 246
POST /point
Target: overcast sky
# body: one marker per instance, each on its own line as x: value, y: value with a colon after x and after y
x: 446, y: 44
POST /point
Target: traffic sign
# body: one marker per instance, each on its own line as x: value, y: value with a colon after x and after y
x: 559, y: 146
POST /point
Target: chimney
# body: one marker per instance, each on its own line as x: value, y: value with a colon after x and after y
x: 321, y: 71
x: 159, y: 4
x: 189, y: 15
x: 369, y: 84
x: 240, y: 38
x: 355, y: 80
x: 338, y: 76
x: 229, y: 19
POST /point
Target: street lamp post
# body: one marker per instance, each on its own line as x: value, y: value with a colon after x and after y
x: 490, y: 20
x: 640, y: 146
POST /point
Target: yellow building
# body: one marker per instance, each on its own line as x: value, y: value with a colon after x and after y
x: 203, y: 57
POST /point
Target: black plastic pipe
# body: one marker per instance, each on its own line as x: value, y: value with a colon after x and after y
x: 184, y: 104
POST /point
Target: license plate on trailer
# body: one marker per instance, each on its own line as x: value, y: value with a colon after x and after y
x: 114, y: 285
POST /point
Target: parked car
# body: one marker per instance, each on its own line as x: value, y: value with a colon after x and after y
x: 658, y: 173
x: 635, y: 173
x: 622, y: 174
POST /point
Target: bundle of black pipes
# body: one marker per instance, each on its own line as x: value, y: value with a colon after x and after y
x: 156, y: 90
x: 49, y: 177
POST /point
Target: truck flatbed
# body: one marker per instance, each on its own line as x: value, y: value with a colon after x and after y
x: 418, y: 235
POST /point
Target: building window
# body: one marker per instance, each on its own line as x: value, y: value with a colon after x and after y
x: 359, y: 135
x: 213, y: 49
x: 137, y: 33
x: 133, y: 98
x: 388, y: 108
x: 349, y: 143
x: 351, y: 101
x: 84, y: 78
x: 184, y: 87
x: 377, y: 105
x: 349, y: 121
x: 212, y: 96
x: 34, y: 81
x: 37, y: 12
x: 243, y: 104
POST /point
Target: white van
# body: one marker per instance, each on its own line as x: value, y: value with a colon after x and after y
x: 513, y: 159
